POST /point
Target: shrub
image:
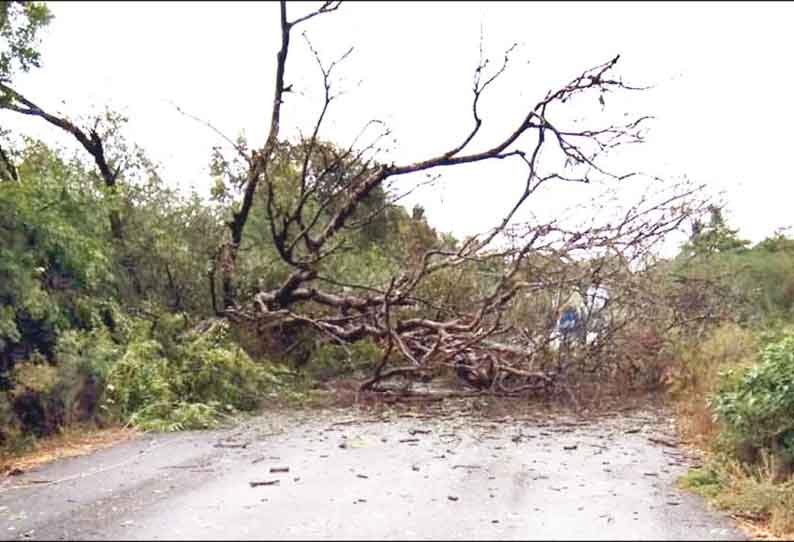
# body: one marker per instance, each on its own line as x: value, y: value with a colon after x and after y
x: 85, y: 360
x: 699, y: 361
x: 139, y: 379
x: 756, y: 405
x: 201, y: 378
x: 208, y: 367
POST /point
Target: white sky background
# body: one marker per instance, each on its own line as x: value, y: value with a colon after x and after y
x: 722, y: 101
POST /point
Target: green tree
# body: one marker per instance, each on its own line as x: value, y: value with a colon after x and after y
x: 715, y: 236
x: 20, y: 27
x: 173, y: 238
x: 56, y: 274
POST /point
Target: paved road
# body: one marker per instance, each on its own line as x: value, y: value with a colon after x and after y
x: 411, y: 477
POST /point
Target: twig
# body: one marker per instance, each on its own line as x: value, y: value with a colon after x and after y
x: 265, y: 483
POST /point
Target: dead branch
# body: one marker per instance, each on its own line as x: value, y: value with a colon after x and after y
x: 481, y: 337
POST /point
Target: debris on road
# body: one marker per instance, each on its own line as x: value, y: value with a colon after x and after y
x: 231, y: 445
x: 265, y: 483
x: 325, y: 497
x: 663, y: 442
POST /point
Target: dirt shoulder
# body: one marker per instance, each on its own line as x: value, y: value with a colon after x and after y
x: 73, y: 442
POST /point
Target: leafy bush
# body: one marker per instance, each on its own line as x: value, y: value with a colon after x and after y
x: 47, y: 396
x: 139, y: 379
x: 36, y: 377
x: 202, y: 378
x: 756, y: 405
x: 85, y: 359
x: 208, y: 367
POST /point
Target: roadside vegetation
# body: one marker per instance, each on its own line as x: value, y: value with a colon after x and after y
x: 125, y: 302
x: 734, y: 385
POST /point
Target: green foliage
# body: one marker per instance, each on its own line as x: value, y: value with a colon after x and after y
x: 139, y: 378
x: 90, y: 353
x: 55, y: 275
x: 211, y: 368
x: 704, y: 481
x: 167, y: 416
x: 756, y: 405
x: 20, y: 24
x: 205, y: 378
x: 716, y: 237
x: 8, y: 326
x: 36, y: 377
x: 748, y: 423
x: 53, y: 249
x: 173, y: 238
x: 756, y: 284
x: 63, y: 283
x: 332, y: 359
x: 769, y: 278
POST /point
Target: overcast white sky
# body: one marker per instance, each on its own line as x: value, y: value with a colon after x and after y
x: 722, y: 99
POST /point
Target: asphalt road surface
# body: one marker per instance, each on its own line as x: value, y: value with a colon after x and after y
x: 342, y: 474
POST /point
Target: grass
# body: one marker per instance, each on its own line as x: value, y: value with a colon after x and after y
x: 697, y: 374
x: 749, y: 493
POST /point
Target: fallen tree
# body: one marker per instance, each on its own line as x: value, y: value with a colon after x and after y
x: 312, y: 194
x: 500, y: 333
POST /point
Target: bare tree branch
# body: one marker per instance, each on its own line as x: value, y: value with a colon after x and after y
x: 90, y: 141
